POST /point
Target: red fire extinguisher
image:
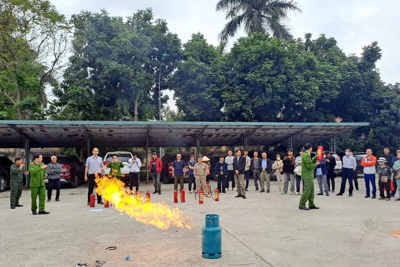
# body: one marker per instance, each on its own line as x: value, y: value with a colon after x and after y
x: 92, y: 200
x: 175, y: 196
x: 148, y: 196
x: 106, y: 204
x: 216, y: 195
x: 182, y: 195
x: 208, y: 189
x: 201, y: 197
x: 320, y: 152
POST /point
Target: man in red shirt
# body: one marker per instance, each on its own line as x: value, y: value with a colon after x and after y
x: 155, y: 168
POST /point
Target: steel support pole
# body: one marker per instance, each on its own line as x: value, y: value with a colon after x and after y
x: 197, y: 148
x: 27, y: 149
x: 88, y: 146
x: 147, y: 158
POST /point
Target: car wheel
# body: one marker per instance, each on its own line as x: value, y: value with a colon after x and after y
x: 75, y: 182
x: 2, y: 184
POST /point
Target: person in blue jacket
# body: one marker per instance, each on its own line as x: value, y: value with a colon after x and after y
x: 221, y: 173
x: 321, y: 173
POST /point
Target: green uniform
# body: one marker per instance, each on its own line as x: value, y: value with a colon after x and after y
x: 115, y: 168
x: 16, y: 181
x: 37, y: 185
x: 307, y: 174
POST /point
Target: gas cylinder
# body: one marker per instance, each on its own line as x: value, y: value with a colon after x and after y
x: 182, y: 195
x: 92, y: 200
x: 216, y: 195
x: 175, y: 196
x: 148, y: 196
x: 106, y: 204
x: 201, y: 196
x: 212, y: 243
x: 208, y: 189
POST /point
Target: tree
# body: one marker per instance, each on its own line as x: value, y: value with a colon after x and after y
x: 257, y: 16
x: 33, y: 40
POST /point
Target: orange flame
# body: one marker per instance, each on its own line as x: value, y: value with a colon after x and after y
x: 158, y: 214
x: 396, y: 234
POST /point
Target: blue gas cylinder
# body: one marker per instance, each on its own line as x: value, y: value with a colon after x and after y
x: 212, y: 244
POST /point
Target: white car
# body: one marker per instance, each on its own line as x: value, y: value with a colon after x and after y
x: 339, y: 164
x: 124, y: 156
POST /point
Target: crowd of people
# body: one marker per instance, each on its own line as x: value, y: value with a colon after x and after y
x: 294, y: 175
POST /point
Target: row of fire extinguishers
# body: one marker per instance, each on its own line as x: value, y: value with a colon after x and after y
x: 107, y: 204
x: 214, y: 195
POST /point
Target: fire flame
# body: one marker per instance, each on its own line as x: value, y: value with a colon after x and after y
x: 158, y: 214
x: 396, y: 234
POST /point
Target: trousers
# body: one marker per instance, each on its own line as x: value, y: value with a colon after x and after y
x: 308, y: 193
x: 176, y: 179
x: 192, y: 181
x: 15, y: 193
x: 157, y: 182
x: 370, y: 178
x: 382, y: 187
x: 240, y: 183
x: 231, y: 177
x: 331, y: 180
x: 256, y: 177
x: 36, y: 192
x: 134, y: 180
x: 91, y: 185
x: 347, y: 174
x: 265, y: 177
x: 298, y: 181
x: 201, y: 184
x: 221, y: 182
x: 323, y: 184
x: 288, y: 176
x: 53, y: 184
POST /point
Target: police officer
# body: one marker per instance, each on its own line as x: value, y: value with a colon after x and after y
x: 16, y: 180
x: 37, y: 169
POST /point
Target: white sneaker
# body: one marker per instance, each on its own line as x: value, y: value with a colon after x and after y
x: 291, y: 193
x: 297, y: 193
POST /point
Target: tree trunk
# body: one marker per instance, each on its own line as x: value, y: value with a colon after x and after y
x: 136, y: 106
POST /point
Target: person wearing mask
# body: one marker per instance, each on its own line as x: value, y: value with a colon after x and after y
x: 307, y: 175
x: 17, y: 172
x: 389, y: 161
x: 349, y: 166
x: 297, y: 171
x: 321, y: 173
x: 278, y: 166
x: 221, y: 172
x: 256, y: 168
x: 265, y: 176
x: 384, y: 179
x: 54, y: 179
x: 200, y: 173
x: 93, y: 167
x: 231, y: 173
x: 288, y: 170
x: 192, y: 181
x: 330, y: 166
x: 134, y: 165
x: 247, y: 168
x: 177, y: 171
x: 37, y: 170
x: 369, y: 162
x: 115, y: 166
x: 396, y: 170
x: 155, y: 168
x: 239, y: 164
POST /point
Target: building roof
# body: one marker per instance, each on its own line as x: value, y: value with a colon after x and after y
x: 164, y: 134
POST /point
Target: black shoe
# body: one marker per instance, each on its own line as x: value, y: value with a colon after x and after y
x: 246, y: 189
x: 34, y: 212
x: 238, y: 196
x: 155, y: 192
x: 244, y: 197
x: 327, y: 194
x: 57, y: 200
x: 319, y: 194
x: 44, y: 212
x: 314, y: 208
x: 257, y: 189
x: 387, y: 199
x: 303, y: 208
x: 340, y: 194
x: 223, y: 191
x: 18, y: 205
x: 350, y: 195
x: 267, y: 191
x: 373, y: 197
x: 159, y: 192
x: 12, y: 207
x: 262, y: 190
x: 100, y: 203
x: 366, y: 196
x: 49, y: 200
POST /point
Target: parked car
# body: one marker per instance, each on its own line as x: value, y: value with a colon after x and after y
x: 72, y: 170
x: 166, y: 173
x: 359, y: 156
x: 339, y: 164
x: 5, y: 164
x: 124, y: 156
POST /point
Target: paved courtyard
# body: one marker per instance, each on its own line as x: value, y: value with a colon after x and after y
x: 262, y: 230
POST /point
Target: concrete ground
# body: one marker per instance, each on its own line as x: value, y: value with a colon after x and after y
x: 263, y: 230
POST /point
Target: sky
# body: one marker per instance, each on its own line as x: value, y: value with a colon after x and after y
x: 353, y: 23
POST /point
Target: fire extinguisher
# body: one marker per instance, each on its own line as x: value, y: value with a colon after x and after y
x: 148, y: 196
x: 106, y: 204
x: 175, y: 196
x: 201, y: 196
x: 216, y: 195
x: 208, y: 189
x: 92, y: 200
x: 183, y: 195
x: 320, y: 152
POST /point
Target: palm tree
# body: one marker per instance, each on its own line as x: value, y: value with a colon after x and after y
x: 258, y: 16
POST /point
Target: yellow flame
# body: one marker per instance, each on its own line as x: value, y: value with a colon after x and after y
x: 158, y: 214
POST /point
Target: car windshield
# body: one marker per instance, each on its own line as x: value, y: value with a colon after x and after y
x: 121, y: 157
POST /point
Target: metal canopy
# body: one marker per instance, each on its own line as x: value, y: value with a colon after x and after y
x: 163, y: 134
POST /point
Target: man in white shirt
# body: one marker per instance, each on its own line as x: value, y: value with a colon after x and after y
x: 349, y: 166
x: 231, y: 172
x: 134, y: 165
x: 247, y: 168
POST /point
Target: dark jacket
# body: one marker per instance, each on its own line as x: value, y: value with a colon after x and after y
x: 288, y: 164
x: 269, y: 165
x: 331, y: 165
x: 218, y: 168
x: 322, y: 165
x: 16, y: 174
x: 239, y: 165
x: 53, y: 171
x: 385, y: 171
x: 258, y: 167
x: 389, y: 159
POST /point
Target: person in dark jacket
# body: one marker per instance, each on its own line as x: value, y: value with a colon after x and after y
x: 384, y: 179
x: 330, y: 166
x: 17, y: 172
x: 221, y: 173
x: 321, y: 173
x: 256, y: 168
x: 239, y: 164
x: 53, y: 176
x: 288, y: 169
x: 389, y: 159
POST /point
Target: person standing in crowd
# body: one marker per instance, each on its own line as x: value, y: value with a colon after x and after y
x: 265, y: 176
x: 53, y: 176
x: 94, y: 166
x: 349, y: 165
x: 177, y: 171
x: 297, y: 171
x: 200, y: 173
x: 395, y: 186
x: 256, y: 168
x: 396, y: 170
x: 321, y: 173
x: 37, y: 170
x: 384, y: 178
x: 389, y: 161
x: 278, y: 166
x: 247, y: 168
x: 192, y: 181
x: 231, y: 173
x: 369, y: 162
x: 239, y: 164
x: 134, y: 165
x: 330, y: 166
x: 307, y: 174
x: 115, y: 166
x: 221, y: 172
x: 355, y: 176
x: 16, y: 181
x: 288, y: 169
x: 206, y: 161
x: 155, y: 168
